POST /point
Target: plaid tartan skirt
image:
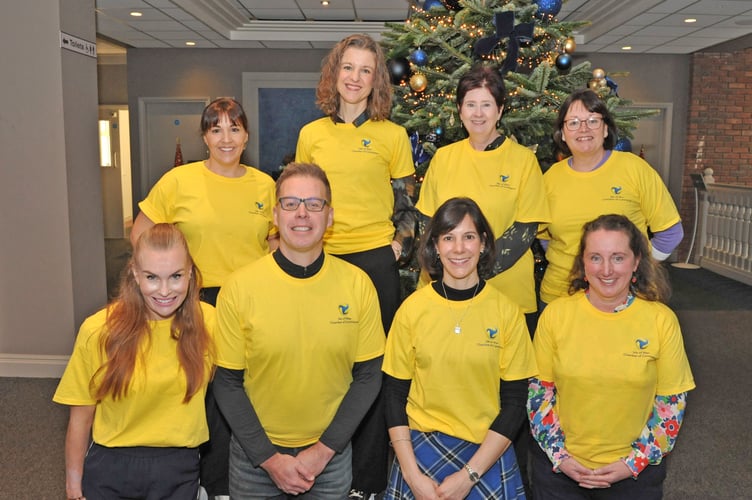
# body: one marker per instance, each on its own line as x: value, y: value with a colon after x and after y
x: 439, y: 455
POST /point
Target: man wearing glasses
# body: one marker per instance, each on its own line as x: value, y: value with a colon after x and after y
x: 299, y: 353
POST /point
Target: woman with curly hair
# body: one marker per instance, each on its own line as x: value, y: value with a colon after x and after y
x: 368, y: 160
x: 613, y: 378
x: 137, y: 378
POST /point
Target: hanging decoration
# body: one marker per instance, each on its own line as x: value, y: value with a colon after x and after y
x: 548, y: 8
x: 419, y: 154
x: 601, y: 80
x: 419, y: 57
x: 564, y: 62
x: 399, y: 70
x: 570, y: 45
x: 504, y: 23
x: 178, y: 153
x: 418, y: 82
x: 623, y: 144
x: 430, y: 4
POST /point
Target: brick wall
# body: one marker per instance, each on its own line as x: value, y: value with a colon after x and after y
x: 719, y: 125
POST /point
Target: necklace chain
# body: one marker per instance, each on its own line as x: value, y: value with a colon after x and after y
x: 458, y: 322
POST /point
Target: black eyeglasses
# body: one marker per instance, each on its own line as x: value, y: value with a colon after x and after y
x: 291, y: 203
x: 575, y: 123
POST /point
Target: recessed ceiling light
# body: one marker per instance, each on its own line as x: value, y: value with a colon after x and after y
x: 690, y: 20
x: 136, y: 14
x: 190, y: 44
x: 324, y: 2
x: 627, y: 47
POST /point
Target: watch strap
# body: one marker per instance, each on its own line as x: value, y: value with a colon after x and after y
x: 474, y: 476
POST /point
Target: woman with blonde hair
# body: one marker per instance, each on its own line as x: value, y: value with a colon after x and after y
x: 137, y: 378
x: 368, y: 160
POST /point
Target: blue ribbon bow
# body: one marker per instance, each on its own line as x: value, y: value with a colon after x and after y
x: 419, y: 154
x: 612, y: 85
x: 504, y: 22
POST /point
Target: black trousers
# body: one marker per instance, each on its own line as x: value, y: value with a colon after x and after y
x: 215, y: 453
x: 370, y: 443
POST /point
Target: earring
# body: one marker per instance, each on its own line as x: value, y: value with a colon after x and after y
x: 634, y: 279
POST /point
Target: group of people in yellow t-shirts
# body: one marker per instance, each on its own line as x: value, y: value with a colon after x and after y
x: 258, y: 347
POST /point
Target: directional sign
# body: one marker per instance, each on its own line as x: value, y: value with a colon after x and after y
x: 79, y: 45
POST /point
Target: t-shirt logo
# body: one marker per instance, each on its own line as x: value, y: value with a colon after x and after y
x: 641, y: 343
x: 344, y: 308
x: 504, y: 178
x: 616, y: 189
x: 366, y: 143
x: 259, y: 205
x: 492, y: 332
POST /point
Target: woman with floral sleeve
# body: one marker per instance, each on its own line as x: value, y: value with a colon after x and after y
x: 613, y: 378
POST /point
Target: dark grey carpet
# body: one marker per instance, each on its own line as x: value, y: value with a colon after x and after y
x: 711, y: 460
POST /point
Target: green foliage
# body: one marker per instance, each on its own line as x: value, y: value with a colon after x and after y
x: 535, y: 89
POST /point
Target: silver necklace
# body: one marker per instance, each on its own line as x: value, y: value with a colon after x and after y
x: 458, y: 322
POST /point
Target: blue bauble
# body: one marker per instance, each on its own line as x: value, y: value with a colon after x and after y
x: 564, y: 62
x: 623, y: 144
x: 548, y: 8
x: 419, y: 57
x: 430, y: 4
x: 399, y: 69
x: 439, y: 131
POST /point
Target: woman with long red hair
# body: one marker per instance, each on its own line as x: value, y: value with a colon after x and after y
x: 137, y: 378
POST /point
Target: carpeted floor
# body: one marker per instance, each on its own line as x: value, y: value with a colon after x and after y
x: 711, y: 459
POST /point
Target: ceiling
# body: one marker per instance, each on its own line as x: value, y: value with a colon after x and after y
x: 648, y: 26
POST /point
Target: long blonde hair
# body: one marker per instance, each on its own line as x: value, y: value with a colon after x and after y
x: 127, y: 325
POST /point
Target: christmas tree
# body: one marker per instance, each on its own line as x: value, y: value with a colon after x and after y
x: 429, y: 53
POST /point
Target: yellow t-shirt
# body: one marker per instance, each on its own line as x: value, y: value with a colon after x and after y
x: 152, y: 413
x: 455, y: 377
x: 226, y: 221
x: 297, y: 340
x: 507, y: 185
x: 608, y: 368
x: 625, y: 184
x: 360, y: 162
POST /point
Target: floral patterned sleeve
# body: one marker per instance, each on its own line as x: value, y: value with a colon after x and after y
x: 659, y: 434
x: 544, y: 422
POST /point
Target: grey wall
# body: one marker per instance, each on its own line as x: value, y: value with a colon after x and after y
x: 201, y: 73
x: 51, y: 248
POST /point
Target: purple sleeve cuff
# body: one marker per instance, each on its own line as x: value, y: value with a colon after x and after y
x: 665, y: 241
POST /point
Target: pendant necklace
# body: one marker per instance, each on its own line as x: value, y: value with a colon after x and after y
x: 458, y: 322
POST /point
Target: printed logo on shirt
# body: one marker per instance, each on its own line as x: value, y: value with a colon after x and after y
x: 490, y: 338
x: 258, y: 208
x: 365, y: 146
x: 344, y: 316
x: 503, y: 182
x: 615, y: 193
x: 642, y: 350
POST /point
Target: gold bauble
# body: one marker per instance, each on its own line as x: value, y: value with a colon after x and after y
x: 418, y: 82
x: 599, y: 74
x: 569, y: 45
x: 594, y: 84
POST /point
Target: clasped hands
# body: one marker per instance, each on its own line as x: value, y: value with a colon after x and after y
x: 602, y: 477
x: 296, y: 474
x: 455, y: 486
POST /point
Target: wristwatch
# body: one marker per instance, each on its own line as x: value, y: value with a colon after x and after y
x: 474, y: 477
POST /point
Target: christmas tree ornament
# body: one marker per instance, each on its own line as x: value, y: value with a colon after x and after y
x: 439, y: 131
x: 569, y: 45
x: 430, y: 4
x: 564, y: 62
x: 504, y: 22
x: 418, y: 82
x: 623, y: 144
x: 548, y: 8
x: 399, y: 69
x: 453, y: 4
x: 593, y: 84
x: 178, y: 153
x: 599, y: 74
x: 419, y: 57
